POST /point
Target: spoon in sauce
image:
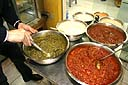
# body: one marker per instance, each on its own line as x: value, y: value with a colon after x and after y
x: 40, y: 49
x: 98, y: 62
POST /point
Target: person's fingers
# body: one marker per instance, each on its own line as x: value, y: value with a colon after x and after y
x: 27, y: 39
x: 20, y: 35
x: 27, y: 28
x: 31, y: 29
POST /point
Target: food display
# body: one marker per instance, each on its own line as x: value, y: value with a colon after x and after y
x: 51, y: 42
x: 81, y: 65
x: 106, y: 33
x: 111, y: 20
x: 72, y: 28
x: 101, y: 14
x: 85, y: 17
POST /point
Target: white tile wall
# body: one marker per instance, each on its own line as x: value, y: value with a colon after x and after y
x: 93, y: 6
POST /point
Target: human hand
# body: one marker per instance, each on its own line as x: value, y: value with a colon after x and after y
x: 20, y: 35
x: 27, y: 28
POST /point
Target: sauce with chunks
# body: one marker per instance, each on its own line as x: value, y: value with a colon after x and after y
x: 106, y: 34
x: 81, y: 62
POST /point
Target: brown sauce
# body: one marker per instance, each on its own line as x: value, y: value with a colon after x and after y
x: 106, y: 34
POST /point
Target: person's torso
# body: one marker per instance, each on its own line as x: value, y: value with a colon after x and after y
x: 1, y: 8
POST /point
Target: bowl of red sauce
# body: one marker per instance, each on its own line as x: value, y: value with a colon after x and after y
x: 107, y: 34
x: 81, y: 64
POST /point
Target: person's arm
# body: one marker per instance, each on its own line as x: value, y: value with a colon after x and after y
x: 10, y: 16
x: 17, y: 35
x: 9, y: 13
x: 3, y: 34
x: 24, y: 31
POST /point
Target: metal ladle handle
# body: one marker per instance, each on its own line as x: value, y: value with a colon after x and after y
x: 114, y: 52
x: 35, y: 45
x: 40, y: 49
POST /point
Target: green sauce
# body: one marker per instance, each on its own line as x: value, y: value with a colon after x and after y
x: 52, y: 43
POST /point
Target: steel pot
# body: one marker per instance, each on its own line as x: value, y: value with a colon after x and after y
x: 84, y: 16
x: 72, y: 28
x: 112, y: 20
x: 104, y: 26
x: 53, y: 42
x: 73, y: 73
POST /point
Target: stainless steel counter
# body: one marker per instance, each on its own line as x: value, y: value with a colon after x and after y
x: 56, y: 71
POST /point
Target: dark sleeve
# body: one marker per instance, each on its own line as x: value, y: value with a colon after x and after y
x: 9, y: 13
x: 3, y: 34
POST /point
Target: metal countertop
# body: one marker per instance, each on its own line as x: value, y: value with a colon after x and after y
x: 56, y: 72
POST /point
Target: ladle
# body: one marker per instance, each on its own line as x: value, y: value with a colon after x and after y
x: 98, y: 62
x: 40, y: 49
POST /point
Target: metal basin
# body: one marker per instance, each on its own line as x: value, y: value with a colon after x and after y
x: 72, y: 28
x: 107, y: 34
x: 84, y: 16
x: 80, y: 65
x: 112, y: 20
x: 53, y: 42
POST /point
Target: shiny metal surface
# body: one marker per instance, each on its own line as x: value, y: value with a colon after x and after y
x: 84, y: 13
x: 72, y: 37
x: 49, y: 60
x: 113, y: 46
x: 36, y: 46
x: 40, y: 49
x: 118, y: 23
x: 57, y: 71
x: 113, y: 53
x: 99, y: 45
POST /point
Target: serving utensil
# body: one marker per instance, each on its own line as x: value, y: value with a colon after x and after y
x: 37, y: 46
x: 98, y: 62
x: 40, y: 49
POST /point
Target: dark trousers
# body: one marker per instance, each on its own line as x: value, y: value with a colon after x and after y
x: 12, y: 51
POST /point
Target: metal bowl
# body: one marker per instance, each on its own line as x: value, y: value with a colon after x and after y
x: 73, y: 76
x: 104, y: 25
x: 72, y: 28
x: 112, y: 20
x: 47, y: 42
x: 84, y: 16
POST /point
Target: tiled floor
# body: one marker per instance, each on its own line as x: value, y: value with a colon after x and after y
x: 14, y: 78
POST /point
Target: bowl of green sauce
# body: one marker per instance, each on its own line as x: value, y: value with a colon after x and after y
x: 52, y: 42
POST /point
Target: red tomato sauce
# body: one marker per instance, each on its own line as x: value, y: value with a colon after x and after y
x: 81, y: 63
x: 106, y: 34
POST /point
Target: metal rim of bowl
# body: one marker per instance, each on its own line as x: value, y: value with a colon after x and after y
x: 95, y: 44
x: 72, y: 21
x: 113, y: 46
x: 77, y: 13
x: 51, y: 60
x: 72, y: 37
x: 111, y: 18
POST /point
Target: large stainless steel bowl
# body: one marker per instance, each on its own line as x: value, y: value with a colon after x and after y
x: 48, y: 44
x: 84, y: 16
x: 77, y: 70
x: 103, y: 25
x: 112, y: 20
x: 72, y: 28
